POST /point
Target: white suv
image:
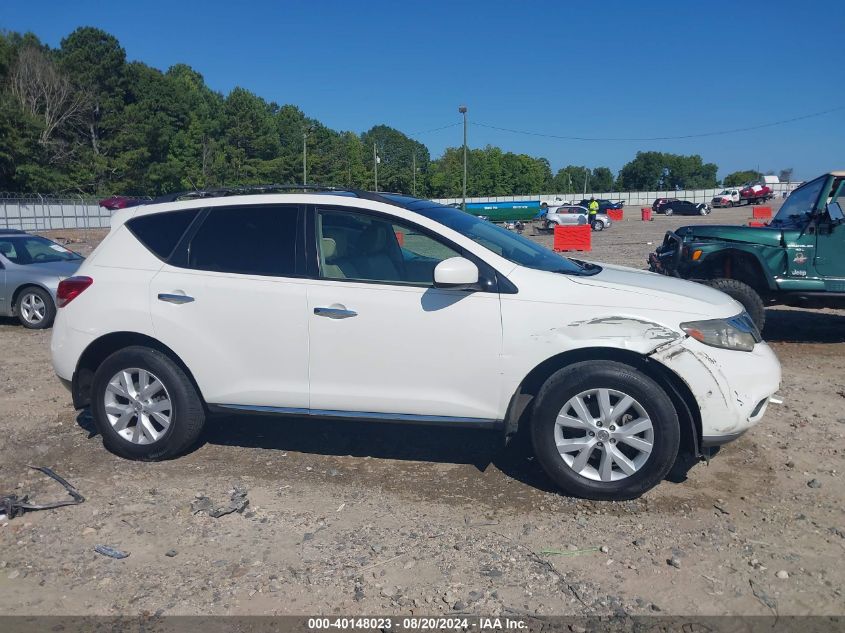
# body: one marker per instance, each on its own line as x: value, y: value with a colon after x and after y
x: 378, y: 306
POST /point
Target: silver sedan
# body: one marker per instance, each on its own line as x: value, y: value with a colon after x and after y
x: 31, y: 268
x: 574, y: 214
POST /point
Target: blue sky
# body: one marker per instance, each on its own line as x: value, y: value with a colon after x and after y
x: 595, y: 69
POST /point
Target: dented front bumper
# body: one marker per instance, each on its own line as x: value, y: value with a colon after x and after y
x: 732, y: 388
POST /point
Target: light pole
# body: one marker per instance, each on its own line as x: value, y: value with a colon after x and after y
x: 463, y: 110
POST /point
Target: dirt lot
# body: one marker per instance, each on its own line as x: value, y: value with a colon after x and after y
x: 359, y: 518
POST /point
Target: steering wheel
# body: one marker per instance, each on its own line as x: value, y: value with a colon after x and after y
x: 39, y: 257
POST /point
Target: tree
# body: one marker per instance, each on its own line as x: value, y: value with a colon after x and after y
x: 44, y: 92
x: 601, y: 179
x: 738, y: 178
x: 658, y: 170
x: 785, y: 175
x: 397, y: 152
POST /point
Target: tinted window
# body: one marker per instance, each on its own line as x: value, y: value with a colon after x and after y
x: 247, y: 240
x: 361, y: 246
x: 160, y: 232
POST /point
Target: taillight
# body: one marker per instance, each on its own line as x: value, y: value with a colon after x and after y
x: 70, y: 288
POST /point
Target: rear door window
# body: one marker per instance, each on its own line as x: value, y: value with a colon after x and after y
x: 252, y: 240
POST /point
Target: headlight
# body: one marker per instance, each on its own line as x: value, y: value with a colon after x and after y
x: 737, y: 333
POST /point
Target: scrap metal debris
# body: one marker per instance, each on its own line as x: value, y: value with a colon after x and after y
x: 111, y: 552
x: 237, y: 503
x: 14, y: 506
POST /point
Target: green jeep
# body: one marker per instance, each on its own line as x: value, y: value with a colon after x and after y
x: 797, y: 260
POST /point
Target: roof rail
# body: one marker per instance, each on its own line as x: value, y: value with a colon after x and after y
x: 243, y: 190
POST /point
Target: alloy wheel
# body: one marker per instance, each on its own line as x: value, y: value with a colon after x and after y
x: 138, y: 406
x: 32, y: 309
x: 604, y: 435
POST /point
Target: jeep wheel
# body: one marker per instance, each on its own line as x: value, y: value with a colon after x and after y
x: 746, y: 295
x: 602, y: 430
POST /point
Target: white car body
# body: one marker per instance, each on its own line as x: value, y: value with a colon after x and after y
x: 470, y: 351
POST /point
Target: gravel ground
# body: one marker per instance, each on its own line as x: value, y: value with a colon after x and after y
x: 353, y: 518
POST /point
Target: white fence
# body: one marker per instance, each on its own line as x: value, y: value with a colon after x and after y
x: 41, y: 213
x: 630, y: 198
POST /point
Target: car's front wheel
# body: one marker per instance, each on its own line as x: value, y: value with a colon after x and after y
x: 35, y: 308
x: 598, y: 225
x: 603, y: 430
x: 145, y: 406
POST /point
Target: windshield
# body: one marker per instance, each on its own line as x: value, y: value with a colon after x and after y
x: 512, y: 246
x: 800, y: 204
x: 32, y: 249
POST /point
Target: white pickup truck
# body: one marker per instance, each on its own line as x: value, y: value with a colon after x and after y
x: 727, y: 198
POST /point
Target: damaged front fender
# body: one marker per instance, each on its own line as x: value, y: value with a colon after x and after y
x: 622, y: 331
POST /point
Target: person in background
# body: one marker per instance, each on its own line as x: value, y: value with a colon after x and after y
x: 593, y: 209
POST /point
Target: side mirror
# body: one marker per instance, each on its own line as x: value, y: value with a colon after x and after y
x: 457, y: 273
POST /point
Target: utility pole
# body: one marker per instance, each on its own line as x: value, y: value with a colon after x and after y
x: 305, y: 158
x: 375, y: 166
x: 463, y: 110
x: 414, y: 167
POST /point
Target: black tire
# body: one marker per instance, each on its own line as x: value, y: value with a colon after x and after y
x: 746, y: 295
x: 703, y: 211
x: 574, y: 379
x: 187, y: 415
x: 598, y: 225
x: 668, y: 211
x: 49, y: 308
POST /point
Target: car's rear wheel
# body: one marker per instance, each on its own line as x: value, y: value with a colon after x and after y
x: 746, y: 295
x: 602, y: 430
x: 35, y: 308
x: 668, y: 211
x: 145, y: 406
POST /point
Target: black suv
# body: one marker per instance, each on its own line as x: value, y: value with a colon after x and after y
x: 604, y: 205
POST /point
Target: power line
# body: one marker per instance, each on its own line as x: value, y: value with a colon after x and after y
x: 437, y: 129
x: 661, y: 138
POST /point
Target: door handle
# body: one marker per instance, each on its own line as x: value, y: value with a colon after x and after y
x: 335, y: 313
x: 174, y: 298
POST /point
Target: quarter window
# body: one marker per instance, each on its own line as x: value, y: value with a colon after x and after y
x: 247, y: 240
x: 358, y: 246
x: 160, y: 232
